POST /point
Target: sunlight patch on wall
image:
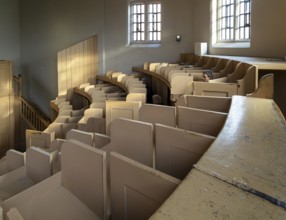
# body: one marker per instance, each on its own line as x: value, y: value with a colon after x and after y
x: 77, y: 64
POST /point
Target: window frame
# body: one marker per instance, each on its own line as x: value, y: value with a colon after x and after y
x: 236, y: 41
x: 147, y: 41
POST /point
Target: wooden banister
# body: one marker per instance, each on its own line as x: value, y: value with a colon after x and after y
x: 32, y: 116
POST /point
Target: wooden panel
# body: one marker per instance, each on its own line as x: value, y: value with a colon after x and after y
x: 69, y: 75
x: 177, y: 150
x: 38, y: 164
x: 40, y: 139
x: 133, y: 139
x: 161, y: 114
x: 136, y: 190
x: 87, y: 181
x: 219, y: 104
x: 5, y: 78
x: 84, y: 137
x: 215, y: 89
x: 179, y: 83
x: 62, y: 72
x: 201, y: 121
x: 121, y: 109
x: 51, y: 200
x: 77, y: 64
x: 7, y: 116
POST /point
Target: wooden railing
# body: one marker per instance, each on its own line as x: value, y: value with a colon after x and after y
x: 159, y: 84
x: 32, y: 116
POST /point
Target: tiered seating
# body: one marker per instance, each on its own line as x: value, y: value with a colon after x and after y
x: 124, y: 139
x: 105, y: 96
x: 93, y: 120
x: 104, y: 91
x: 230, y: 77
x: 97, y: 118
x: 82, y: 192
x: 159, y: 149
x: 145, y: 144
x: 66, y: 117
x: 136, y: 88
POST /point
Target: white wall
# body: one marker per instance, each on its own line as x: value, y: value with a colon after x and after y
x: 268, y: 33
x: 176, y: 19
x: 50, y: 26
x: 46, y: 28
x: 9, y: 32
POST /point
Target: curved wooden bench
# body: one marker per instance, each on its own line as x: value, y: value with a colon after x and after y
x: 232, y: 77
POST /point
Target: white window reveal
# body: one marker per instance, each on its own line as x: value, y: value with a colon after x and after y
x: 231, y: 23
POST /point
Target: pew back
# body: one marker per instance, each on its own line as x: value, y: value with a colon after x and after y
x: 121, y: 109
x: 130, y: 199
x: 178, y: 150
x: 87, y: 181
x: 133, y: 139
x: 219, y: 104
x: 158, y: 114
x: 201, y: 121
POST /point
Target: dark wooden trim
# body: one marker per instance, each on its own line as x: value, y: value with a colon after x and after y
x: 113, y: 82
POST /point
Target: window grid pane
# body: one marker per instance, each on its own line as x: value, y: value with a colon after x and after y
x: 154, y: 22
x: 145, y: 23
x: 138, y: 22
x: 244, y: 20
x: 233, y: 20
x: 226, y: 20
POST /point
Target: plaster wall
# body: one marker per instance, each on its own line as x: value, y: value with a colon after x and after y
x: 10, y: 33
x: 267, y: 29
